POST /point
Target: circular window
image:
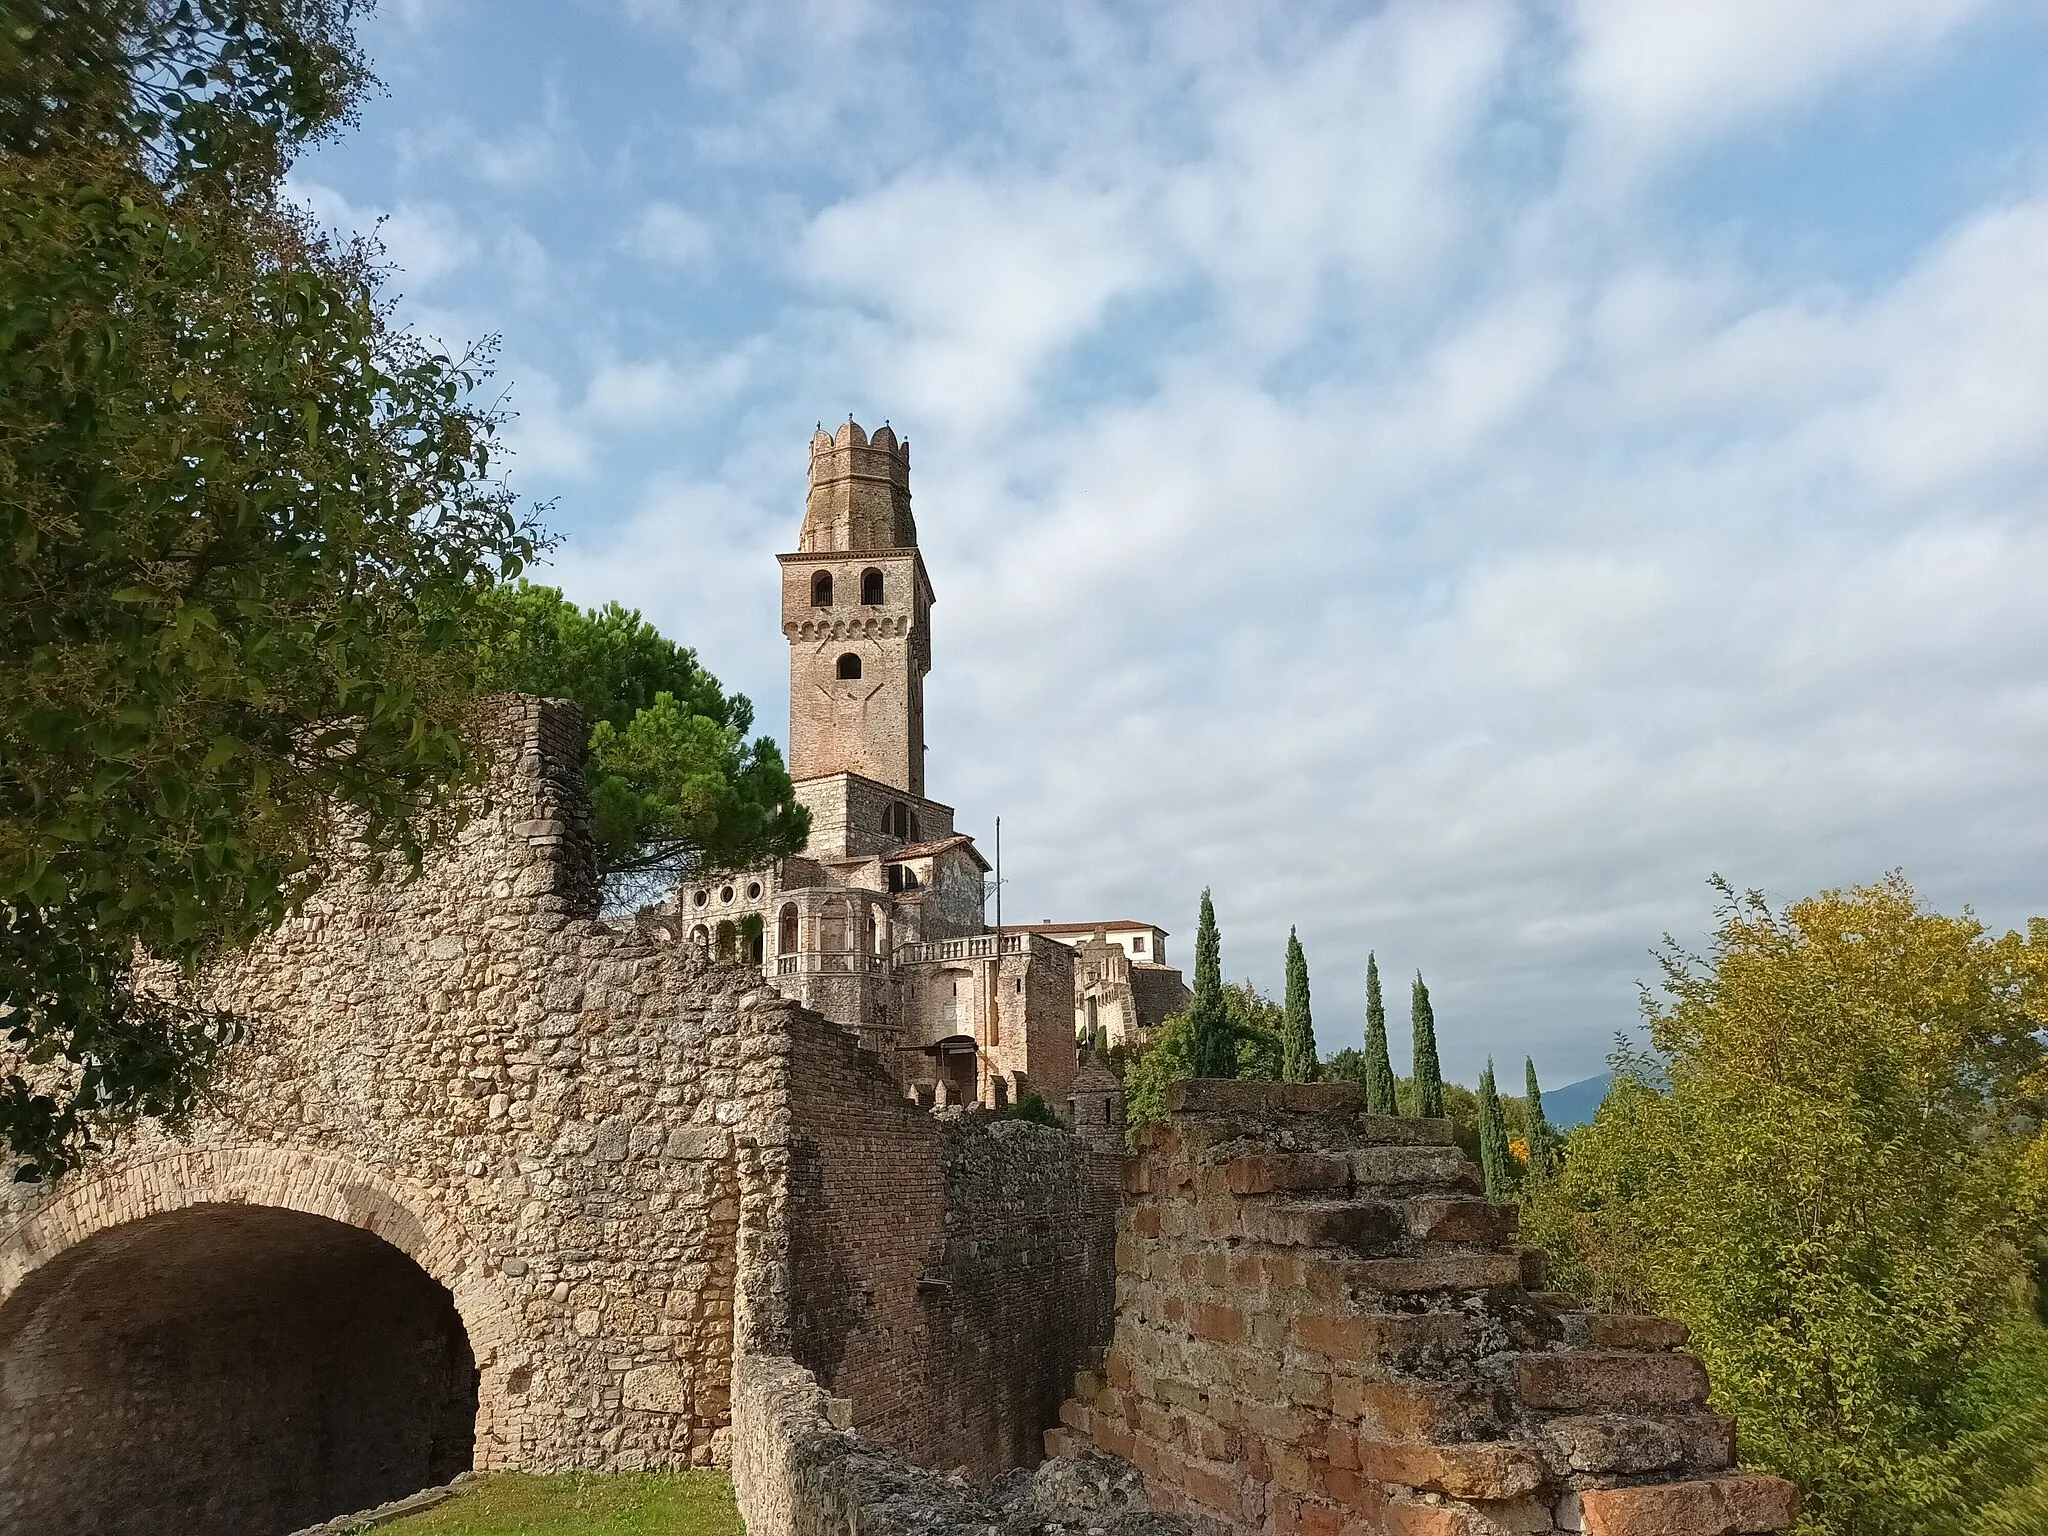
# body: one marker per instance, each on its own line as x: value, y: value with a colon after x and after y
x: 726, y: 894
x: 702, y: 897
x: 753, y: 890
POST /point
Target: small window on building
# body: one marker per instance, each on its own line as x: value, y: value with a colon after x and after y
x: 896, y: 820
x: 1138, y: 945
x: 788, y: 940
x: 1020, y: 983
x: 821, y: 590
x: 871, y: 589
x: 849, y: 667
x: 916, y: 835
x: 753, y: 890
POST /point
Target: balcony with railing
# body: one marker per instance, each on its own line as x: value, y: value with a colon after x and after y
x: 829, y: 963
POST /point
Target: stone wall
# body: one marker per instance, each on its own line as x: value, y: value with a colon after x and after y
x: 574, y: 1153
x: 799, y: 1471
x: 1323, y: 1328
x: 558, y: 1122
x: 953, y: 1271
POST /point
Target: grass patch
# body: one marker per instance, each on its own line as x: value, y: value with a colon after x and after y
x: 583, y: 1504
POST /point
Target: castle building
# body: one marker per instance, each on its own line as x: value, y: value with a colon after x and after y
x: 1122, y: 983
x: 880, y: 924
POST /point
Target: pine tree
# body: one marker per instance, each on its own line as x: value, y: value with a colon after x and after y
x: 1380, y: 1098
x: 1542, y: 1140
x: 1298, y: 1031
x: 1495, y: 1161
x: 1429, y: 1076
x: 1212, y: 1048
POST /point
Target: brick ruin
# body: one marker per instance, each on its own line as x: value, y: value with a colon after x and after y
x: 498, y: 1183
x: 1322, y: 1327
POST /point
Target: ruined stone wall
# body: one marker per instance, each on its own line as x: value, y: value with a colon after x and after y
x: 1323, y: 1328
x: 561, y: 1121
x: 949, y: 1272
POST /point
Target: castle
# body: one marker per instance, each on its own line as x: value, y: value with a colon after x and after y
x: 880, y: 923
x: 498, y: 1182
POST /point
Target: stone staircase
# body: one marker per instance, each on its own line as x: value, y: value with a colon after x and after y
x: 1324, y: 1328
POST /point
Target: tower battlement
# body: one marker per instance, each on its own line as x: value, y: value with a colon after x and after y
x: 860, y: 492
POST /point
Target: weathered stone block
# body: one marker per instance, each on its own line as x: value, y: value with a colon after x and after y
x: 1634, y: 1330
x: 1735, y: 1504
x: 1577, y: 1380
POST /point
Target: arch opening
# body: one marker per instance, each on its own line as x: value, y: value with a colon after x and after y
x: 849, y: 668
x: 236, y: 1369
x: 871, y: 588
x: 821, y: 590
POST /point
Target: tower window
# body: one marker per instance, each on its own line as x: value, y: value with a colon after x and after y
x: 821, y: 590
x: 896, y: 820
x: 871, y: 588
x: 849, y: 667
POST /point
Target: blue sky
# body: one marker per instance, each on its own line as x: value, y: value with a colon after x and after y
x: 1449, y: 476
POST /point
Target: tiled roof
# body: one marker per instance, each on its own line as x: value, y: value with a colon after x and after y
x: 1122, y: 922
x: 927, y: 850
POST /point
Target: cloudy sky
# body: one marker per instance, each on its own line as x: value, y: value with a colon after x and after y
x: 1450, y: 476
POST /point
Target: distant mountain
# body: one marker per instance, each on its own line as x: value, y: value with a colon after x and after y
x: 1575, y: 1103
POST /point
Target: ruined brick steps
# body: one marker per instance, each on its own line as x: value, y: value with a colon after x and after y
x: 1323, y: 1329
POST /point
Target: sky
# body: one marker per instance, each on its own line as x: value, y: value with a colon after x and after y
x: 1449, y: 477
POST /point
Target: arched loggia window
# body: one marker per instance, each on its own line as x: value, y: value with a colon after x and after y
x: 821, y: 590
x: 871, y: 588
x: 849, y: 667
x: 788, y: 938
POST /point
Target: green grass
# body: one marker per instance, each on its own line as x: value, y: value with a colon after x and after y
x: 583, y: 1504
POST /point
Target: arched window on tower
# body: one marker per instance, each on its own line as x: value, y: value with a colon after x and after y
x: 849, y: 668
x: 787, y: 939
x: 871, y: 588
x: 821, y: 590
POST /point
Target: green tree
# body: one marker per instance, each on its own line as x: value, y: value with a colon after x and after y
x: 1166, y: 1060
x: 1429, y: 1077
x: 1541, y: 1139
x: 1495, y: 1161
x: 676, y: 789
x: 244, y: 528
x: 1298, y: 1030
x: 1380, y: 1096
x: 1824, y: 1165
x: 1258, y: 1032
x: 1211, y: 1048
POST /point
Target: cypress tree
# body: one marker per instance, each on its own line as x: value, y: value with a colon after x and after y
x: 1495, y: 1160
x: 1541, y: 1138
x: 1298, y: 1031
x: 1380, y: 1098
x: 1212, y: 1048
x: 1429, y: 1076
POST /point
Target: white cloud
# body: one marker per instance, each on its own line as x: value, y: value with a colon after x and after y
x: 1651, y: 78
x: 978, y: 285
x: 669, y: 236
x: 1395, y: 530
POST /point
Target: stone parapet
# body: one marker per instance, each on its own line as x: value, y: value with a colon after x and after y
x: 1324, y: 1329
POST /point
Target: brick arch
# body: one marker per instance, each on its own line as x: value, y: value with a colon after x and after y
x: 404, y: 1215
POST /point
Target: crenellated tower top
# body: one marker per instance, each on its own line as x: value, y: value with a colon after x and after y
x: 860, y: 493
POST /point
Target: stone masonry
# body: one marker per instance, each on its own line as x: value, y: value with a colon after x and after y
x: 1322, y: 1328
x: 496, y: 1182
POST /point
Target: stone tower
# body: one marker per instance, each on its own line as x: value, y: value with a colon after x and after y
x: 856, y: 608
